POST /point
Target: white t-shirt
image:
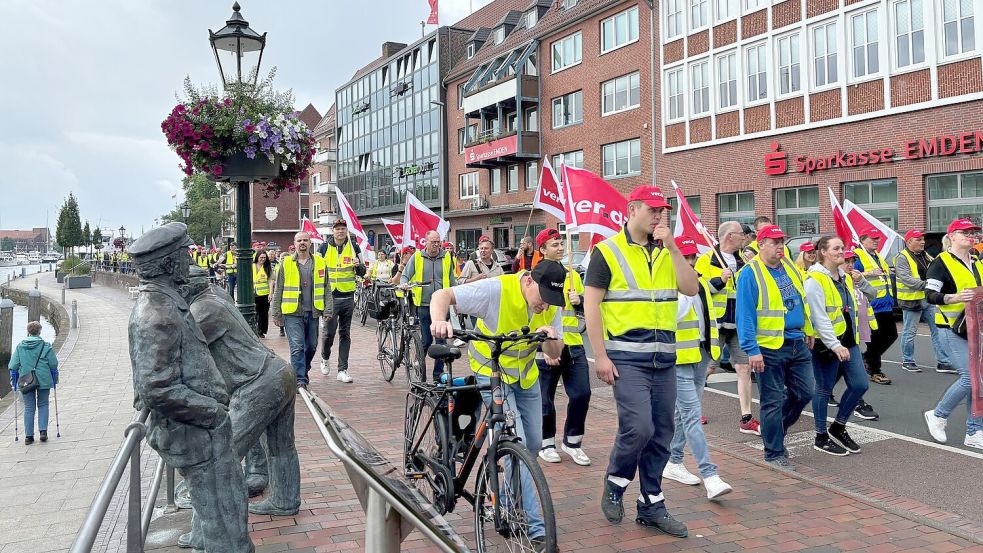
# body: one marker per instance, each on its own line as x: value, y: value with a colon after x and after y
x: 481, y: 299
x: 730, y: 260
x: 685, y: 303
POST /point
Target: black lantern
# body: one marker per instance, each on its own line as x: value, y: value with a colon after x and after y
x: 238, y: 50
x: 186, y: 211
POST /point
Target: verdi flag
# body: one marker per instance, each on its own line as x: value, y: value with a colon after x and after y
x: 432, y: 20
x: 549, y: 195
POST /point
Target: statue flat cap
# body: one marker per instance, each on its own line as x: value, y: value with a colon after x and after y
x: 160, y: 241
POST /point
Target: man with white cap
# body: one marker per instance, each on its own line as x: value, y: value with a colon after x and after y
x: 911, y: 269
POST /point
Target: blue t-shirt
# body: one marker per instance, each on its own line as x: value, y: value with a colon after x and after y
x: 747, y: 308
x: 879, y: 305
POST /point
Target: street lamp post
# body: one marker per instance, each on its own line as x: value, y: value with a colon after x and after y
x: 186, y: 211
x: 122, y: 236
x: 440, y: 154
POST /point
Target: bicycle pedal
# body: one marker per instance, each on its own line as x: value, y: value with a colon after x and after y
x: 414, y: 475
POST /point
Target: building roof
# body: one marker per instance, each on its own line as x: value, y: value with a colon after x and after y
x: 310, y: 116
x: 22, y: 234
x: 489, y: 14
x: 481, y: 35
x: 553, y: 20
x: 327, y: 123
x: 512, y: 18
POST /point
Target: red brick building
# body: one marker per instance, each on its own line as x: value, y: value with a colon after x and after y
x: 37, y: 239
x: 763, y: 106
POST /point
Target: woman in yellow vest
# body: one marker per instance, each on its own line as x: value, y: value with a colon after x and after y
x: 952, y: 278
x: 261, y: 287
x: 863, y: 292
x: 807, y: 258
x: 833, y: 306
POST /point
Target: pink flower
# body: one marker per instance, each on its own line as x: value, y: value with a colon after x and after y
x: 217, y: 170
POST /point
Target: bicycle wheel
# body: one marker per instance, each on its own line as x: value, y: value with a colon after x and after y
x: 363, y: 305
x: 424, y: 464
x: 518, y: 518
x: 386, y: 335
x: 414, y: 358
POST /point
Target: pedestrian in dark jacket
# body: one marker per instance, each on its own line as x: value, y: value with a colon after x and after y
x: 34, y: 355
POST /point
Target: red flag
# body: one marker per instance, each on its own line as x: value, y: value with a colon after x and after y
x: 395, y: 230
x: 843, y: 228
x: 432, y: 20
x: 311, y: 231
x: 354, y: 226
x: 549, y: 195
x: 418, y: 220
x: 861, y: 220
x: 689, y: 225
x: 594, y: 205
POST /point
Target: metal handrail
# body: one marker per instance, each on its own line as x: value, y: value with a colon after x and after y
x: 138, y: 514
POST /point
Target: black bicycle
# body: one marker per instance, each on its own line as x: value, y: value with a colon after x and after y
x: 513, y: 510
x: 362, y: 291
x: 398, y: 332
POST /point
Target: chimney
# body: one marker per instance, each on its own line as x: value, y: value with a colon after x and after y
x: 391, y: 48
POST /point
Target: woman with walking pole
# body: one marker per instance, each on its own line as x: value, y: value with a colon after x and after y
x: 34, y: 373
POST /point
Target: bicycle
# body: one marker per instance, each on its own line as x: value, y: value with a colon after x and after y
x: 387, y: 315
x: 362, y: 286
x: 409, y: 346
x: 440, y: 452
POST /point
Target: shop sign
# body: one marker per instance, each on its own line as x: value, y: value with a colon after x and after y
x: 500, y: 220
x: 493, y: 149
x: 777, y: 162
x: 410, y: 170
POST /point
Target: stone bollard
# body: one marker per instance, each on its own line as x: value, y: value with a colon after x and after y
x: 23, y: 272
x: 75, y: 314
x: 33, y: 306
x: 63, y: 295
x: 35, y: 284
x: 6, y: 343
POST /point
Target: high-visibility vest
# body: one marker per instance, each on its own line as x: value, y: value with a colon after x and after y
x: 202, y: 260
x: 230, y: 263
x: 446, y: 274
x: 707, y: 270
x: 638, y: 311
x: 341, y: 267
x: 291, y: 284
x: 881, y: 283
x: 571, y: 324
x: 518, y: 364
x: 771, y: 307
x: 834, y: 303
x: 536, y: 258
x: 688, y: 343
x: 964, y: 278
x: 904, y: 292
x: 261, y: 281
x: 386, y: 266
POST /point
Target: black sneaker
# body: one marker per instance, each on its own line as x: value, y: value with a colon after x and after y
x: 838, y: 434
x: 611, y: 502
x: 44, y: 435
x: 28, y: 440
x: 911, y: 367
x: 660, y: 519
x: 865, y: 411
x: 727, y: 367
x: 832, y: 401
x: 945, y: 368
x: 824, y: 444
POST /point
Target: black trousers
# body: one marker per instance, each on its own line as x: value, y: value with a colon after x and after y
x: 880, y: 340
x: 340, y: 324
x: 262, y: 314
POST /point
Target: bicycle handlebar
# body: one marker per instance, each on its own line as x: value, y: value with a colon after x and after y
x: 514, y: 336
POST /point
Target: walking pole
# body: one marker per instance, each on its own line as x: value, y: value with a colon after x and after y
x: 57, y: 425
x: 16, y: 416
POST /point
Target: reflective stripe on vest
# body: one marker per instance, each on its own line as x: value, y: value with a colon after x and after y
x: 572, y: 325
x: 834, y: 303
x: 771, y: 307
x: 688, y: 342
x: 261, y: 282
x: 290, y: 301
x: 880, y: 283
x: 707, y: 270
x: 341, y: 267
x: 964, y: 279
x: 230, y: 263
x: 445, y: 276
x: 904, y: 292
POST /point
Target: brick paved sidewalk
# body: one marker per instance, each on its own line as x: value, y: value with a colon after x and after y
x: 768, y: 510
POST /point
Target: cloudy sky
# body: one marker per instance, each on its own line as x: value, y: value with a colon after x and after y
x: 86, y: 85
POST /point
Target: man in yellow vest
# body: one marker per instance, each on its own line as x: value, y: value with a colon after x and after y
x: 503, y: 304
x: 300, y: 298
x: 697, y: 342
x: 878, y: 274
x: 433, y: 267
x: 573, y: 367
x: 759, y: 223
x: 227, y: 262
x: 911, y: 270
x: 775, y: 331
x: 633, y: 280
x: 341, y: 256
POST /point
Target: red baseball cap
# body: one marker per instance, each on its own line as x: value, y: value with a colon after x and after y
x: 448, y: 245
x: 770, y: 231
x: 807, y: 247
x: 407, y: 249
x: 848, y: 254
x: 650, y: 194
x: 913, y: 233
x: 545, y: 236
x: 962, y: 224
x: 872, y: 232
x: 687, y: 246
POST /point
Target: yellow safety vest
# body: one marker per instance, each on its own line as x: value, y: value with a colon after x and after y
x: 834, y: 303
x: 446, y: 274
x: 707, y: 270
x: 880, y: 283
x: 689, y: 346
x: 771, y: 307
x: 202, y: 260
x: 518, y: 364
x: 374, y: 274
x: 964, y: 279
x: 904, y: 292
x: 571, y: 324
x: 291, y: 284
x: 230, y: 263
x: 341, y: 266
x: 639, y: 307
x: 261, y: 281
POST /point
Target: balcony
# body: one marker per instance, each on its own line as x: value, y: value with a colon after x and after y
x: 326, y: 218
x: 489, y: 150
x: 507, y: 93
x: 326, y: 187
x: 326, y: 156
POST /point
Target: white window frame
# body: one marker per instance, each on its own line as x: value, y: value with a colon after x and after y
x: 851, y: 62
x: 531, y: 18
x: 675, y: 12
x: 563, y: 101
x: 724, y: 10
x: 697, y: 6
x: 560, y: 159
x: 469, y: 182
x: 627, y: 146
x: 495, y: 181
x: 795, y: 64
x: 532, y: 170
x: 814, y: 55
x: 498, y: 35
x: 754, y: 5
x: 675, y: 94
x: 792, y: 211
x: 636, y: 77
x: 735, y: 79
x: 705, y: 104
x: 578, y: 45
x: 471, y: 50
x: 512, y: 184
x: 758, y: 50
x: 315, y: 211
x: 625, y: 20
x: 941, y: 33
x: 894, y: 49
x: 732, y: 215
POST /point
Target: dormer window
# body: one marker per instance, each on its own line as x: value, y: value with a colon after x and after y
x: 470, y: 50
x: 531, y: 17
x: 499, y: 35
x: 567, y: 4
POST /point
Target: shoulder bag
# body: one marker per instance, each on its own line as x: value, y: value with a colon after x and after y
x: 29, y: 382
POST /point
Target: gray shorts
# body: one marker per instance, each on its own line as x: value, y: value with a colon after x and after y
x: 729, y: 340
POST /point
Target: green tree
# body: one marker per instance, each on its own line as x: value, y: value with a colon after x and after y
x: 86, y: 235
x: 97, y: 238
x: 7, y: 244
x: 207, y: 217
x: 69, y: 230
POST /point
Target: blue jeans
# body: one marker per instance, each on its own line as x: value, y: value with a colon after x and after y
x: 302, y: 336
x: 962, y: 389
x: 689, y: 408
x: 423, y: 316
x: 36, y: 400
x: 827, y: 372
x: 575, y: 372
x: 231, y: 283
x: 911, y: 319
x: 527, y: 407
x: 785, y: 388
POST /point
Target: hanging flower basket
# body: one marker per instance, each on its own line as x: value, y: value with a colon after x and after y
x: 241, y: 167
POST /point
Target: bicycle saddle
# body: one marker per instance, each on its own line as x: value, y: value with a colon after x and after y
x: 444, y: 353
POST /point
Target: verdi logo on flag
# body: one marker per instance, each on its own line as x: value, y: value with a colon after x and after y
x: 432, y: 20
x: 549, y: 196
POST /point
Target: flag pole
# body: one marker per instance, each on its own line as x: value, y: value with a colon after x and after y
x: 702, y: 230
x: 529, y: 221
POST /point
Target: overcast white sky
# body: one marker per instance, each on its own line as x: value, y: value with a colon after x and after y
x: 85, y: 86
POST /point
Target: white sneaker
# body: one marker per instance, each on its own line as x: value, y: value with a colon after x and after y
x: 716, y: 487
x: 678, y: 472
x: 976, y: 440
x: 549, y: 455
x: 936, y: 426
x: 577, y: 454
x: 324, y: 367
x: 343, y: 376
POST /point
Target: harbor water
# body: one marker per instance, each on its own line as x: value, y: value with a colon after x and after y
x: 20, y: 311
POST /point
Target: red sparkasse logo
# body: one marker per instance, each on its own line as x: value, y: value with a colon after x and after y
x: 776, y: 162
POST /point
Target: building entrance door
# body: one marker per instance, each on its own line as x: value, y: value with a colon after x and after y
x: 501, y: 237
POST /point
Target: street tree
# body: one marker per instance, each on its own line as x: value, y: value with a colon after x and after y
x: 69, y: 230
x: 207, y: 218
x: 97, y: 238
x: 86, y: 236
x: 7, y: 244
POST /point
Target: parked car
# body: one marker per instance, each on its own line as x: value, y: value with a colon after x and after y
x: 504, y: 260
x: 576, y: 258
